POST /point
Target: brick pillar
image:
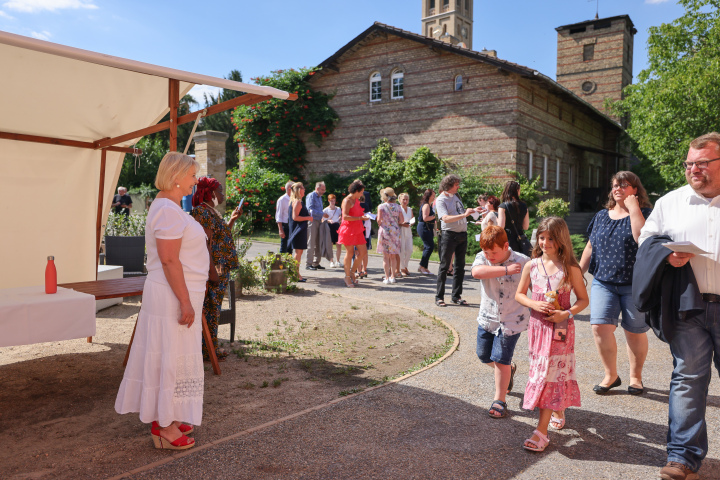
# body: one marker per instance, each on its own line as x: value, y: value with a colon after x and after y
x: 210, y: 154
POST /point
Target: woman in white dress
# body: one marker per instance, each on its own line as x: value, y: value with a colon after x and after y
x: 164, y: 378
x: 334, y: 213
x: 406, y: 241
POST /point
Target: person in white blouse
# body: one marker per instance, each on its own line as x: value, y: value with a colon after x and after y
x: 406, y: 239
x: 333, y: 219
x: 164, y: 378
x: 692, y: 213
x: 490, y: 217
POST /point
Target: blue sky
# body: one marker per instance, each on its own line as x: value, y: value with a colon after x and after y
x: 214, y: 37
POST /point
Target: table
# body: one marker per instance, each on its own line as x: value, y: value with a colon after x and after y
x: 28, y: 315
x: 130, y: 287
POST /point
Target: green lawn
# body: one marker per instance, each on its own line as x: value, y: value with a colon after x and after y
x: 273, y: 237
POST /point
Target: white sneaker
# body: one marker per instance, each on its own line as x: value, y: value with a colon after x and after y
x: 392, y: 279
x: 386, y: 281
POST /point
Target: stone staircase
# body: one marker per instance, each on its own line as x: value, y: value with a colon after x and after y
x: 578, y: 221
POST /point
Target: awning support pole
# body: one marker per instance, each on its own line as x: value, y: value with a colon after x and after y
x: 173, y: 102
x: 98, y: 224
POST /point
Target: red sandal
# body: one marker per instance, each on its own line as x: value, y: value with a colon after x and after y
x: 182, y: 443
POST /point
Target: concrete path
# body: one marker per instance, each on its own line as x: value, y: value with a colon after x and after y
x: 435, y: 424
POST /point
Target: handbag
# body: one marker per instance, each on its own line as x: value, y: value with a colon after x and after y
x: 525, y: 244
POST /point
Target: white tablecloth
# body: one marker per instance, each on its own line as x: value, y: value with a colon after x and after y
x: 28, y: 315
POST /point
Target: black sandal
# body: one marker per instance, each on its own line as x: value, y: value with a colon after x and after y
x: 513, y: 369
x: 461, y: 301
x: 440, y: 303
x: 502, y: 410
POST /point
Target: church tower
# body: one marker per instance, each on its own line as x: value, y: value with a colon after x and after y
x: 448, y: 20
x: 594, y: 58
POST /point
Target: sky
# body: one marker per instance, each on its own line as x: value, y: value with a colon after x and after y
x: 257, y: 36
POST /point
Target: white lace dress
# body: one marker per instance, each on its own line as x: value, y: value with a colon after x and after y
x: 164, y: 377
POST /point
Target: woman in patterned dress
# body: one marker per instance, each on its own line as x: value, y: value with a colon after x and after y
x: 552, y: 386
x: 389, y: 218
x: 223, y: 255
x: 164, y: 378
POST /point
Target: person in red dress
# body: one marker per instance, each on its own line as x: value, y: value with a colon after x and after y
x: 351, y: 232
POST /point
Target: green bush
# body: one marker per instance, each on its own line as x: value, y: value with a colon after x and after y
x: 553, y: 207
x: 261, y: 187
x: 119, y: 225
x: 579, y: 242
x: 384, y: 169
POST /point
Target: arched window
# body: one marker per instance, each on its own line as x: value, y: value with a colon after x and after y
x: 458, y: 83
x: 398, y: 84
x: 375, y: 87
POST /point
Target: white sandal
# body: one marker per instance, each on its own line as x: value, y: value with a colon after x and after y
x: 540, y: 445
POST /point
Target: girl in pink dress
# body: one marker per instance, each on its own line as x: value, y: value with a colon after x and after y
x: 551, y: 386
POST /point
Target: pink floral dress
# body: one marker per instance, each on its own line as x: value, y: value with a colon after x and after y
x: 551, y: 379
x: 389, y: 234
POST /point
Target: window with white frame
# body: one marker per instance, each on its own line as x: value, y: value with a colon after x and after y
x: 557, y: 174
x: 458, y: 83
x: 530, y: 164
x: 545, y: 172
x: 398, y: 84
x: 375, y: 87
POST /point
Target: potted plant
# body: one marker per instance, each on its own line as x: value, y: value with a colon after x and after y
x: 244, y: 276
x: 277, y: 271
x: 125, y: 242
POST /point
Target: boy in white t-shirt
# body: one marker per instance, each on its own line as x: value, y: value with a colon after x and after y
x: 501, y: 319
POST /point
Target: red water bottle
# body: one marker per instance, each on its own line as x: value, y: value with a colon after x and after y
x: 50, y: 276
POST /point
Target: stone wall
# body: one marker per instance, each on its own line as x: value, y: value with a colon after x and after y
x: 210, y: 154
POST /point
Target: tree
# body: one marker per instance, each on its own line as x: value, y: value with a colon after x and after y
x: 384, y: 169
x: 140, y: 171
x: 676, y: 97
x: 222, y: 122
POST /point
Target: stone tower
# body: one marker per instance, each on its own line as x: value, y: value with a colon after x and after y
x: 448, y: 20
x: 594, y: 58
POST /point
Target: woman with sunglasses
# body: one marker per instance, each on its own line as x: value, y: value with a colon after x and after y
x: 610, y: 257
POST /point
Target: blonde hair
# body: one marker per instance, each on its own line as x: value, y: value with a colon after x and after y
x: 387, y: 194
x: 295, y: 191
x: 404, y: 195
x: 173, y: 167
x: 558, y: 230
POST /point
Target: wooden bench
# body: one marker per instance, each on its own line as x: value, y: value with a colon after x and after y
x: 131, y: 287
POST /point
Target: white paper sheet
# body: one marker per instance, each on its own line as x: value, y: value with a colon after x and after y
x: 412, y: 221
x: 477, y: 237
x: 685, y: 247
x: 371, y: 216
x: 475, y: 215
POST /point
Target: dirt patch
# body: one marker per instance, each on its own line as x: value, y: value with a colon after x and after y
x: 291, y: 352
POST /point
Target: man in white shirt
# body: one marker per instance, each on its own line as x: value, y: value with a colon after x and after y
x: 282, y: 211
x: 692, y: 213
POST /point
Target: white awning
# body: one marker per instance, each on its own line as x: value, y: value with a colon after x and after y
x: 49, y: 197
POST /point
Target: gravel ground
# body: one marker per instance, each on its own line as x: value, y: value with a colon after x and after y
x: 435, y: 424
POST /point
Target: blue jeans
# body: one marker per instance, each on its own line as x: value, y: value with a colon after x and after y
x: 695, y: 341
x: 425, y: 232
x: 495, y: 348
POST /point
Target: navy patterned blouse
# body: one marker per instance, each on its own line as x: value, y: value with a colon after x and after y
x: 613, y: 248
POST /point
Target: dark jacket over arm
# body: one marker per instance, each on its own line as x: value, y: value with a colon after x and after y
x: 667, y: 294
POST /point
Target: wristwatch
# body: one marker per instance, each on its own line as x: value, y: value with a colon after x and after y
x: 571, y: 314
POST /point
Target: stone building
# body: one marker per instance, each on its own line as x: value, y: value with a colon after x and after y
x: 477, y: 109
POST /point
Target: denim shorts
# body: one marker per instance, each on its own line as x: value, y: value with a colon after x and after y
x: 495, y: 348
x: 607, y: 301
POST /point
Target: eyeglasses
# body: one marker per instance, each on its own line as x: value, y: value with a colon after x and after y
x: 621, y: 185
x: 701, y: 164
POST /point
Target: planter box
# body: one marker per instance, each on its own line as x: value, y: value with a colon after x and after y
x: 126, y: 251
x: 277, y: 277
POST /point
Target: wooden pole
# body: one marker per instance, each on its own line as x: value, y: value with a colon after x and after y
x: 60, y: 141
x: 98, y: 224
x: 173, y: 102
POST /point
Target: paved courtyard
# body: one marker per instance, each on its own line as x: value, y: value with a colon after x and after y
x: 435, y: 424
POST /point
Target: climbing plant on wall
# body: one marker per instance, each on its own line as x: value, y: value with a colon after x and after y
x: 274, y: 130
